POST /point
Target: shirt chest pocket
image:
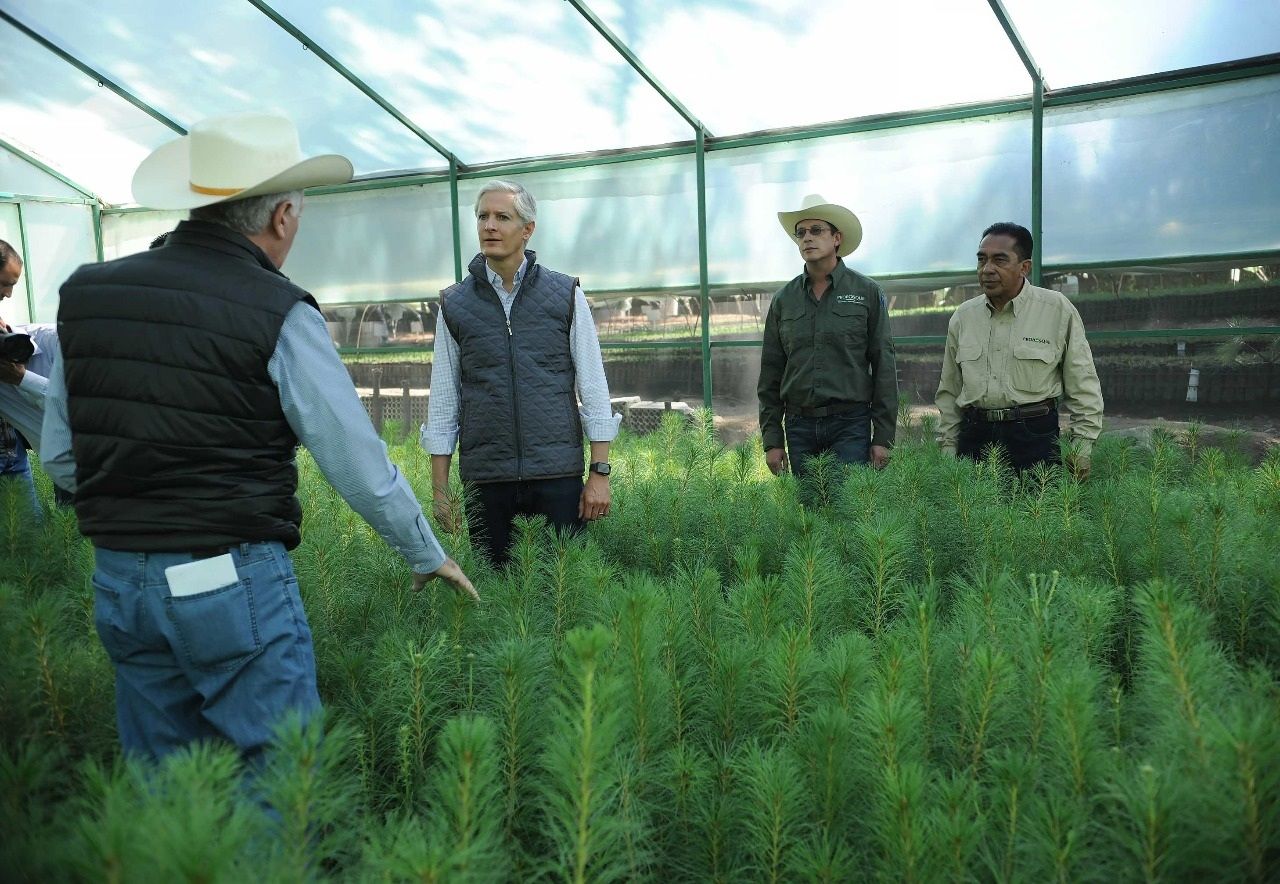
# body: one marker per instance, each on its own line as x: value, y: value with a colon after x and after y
x: 847, y: 323
x: 972, y: 370
x: 1034, y: 368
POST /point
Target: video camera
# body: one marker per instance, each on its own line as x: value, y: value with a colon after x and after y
x: 16, y: 347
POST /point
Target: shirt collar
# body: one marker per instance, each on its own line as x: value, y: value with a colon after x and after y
x: 833, y: 276
x: 495, y: 278
x: 1014, y: 303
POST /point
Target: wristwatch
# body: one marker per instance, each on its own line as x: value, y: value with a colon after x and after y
x: 601, y: 466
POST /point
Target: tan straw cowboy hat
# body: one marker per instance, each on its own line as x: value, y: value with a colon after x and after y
x: 231, y: 158
x: 814, y: 206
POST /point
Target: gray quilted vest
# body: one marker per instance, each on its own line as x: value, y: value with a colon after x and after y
x: 519, y: 417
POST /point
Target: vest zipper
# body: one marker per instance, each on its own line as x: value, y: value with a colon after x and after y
x: 515, y: 405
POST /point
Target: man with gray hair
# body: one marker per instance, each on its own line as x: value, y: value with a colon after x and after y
x: 516, y: 349
x: 188, y: 375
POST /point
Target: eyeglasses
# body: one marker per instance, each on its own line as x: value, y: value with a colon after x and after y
x: 816, y: 230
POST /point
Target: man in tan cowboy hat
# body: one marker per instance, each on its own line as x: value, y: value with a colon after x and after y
x: 828, y: 381
x: 188, y: 374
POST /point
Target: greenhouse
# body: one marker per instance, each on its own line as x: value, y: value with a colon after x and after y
x: 943, y: 669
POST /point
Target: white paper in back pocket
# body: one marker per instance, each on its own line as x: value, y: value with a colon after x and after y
x: 203, y: 575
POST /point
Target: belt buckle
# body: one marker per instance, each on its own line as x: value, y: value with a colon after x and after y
x: 998, y: 414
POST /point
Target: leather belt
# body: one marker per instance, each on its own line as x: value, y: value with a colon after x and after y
x: 211, y: 552
x: 1014, y: 413
x: 825, y: 410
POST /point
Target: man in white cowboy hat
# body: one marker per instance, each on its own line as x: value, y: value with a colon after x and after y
x: 188, y: 374
x: 828, y: 380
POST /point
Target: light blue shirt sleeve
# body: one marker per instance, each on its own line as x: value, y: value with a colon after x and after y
x: 322, y: 408
x: 56, y: 457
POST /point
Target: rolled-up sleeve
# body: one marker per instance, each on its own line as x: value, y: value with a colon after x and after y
x: 598, y: 420
x: 321, y: 406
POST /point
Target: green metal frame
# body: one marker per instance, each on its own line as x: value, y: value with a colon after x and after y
x: 1036, y: 103
x: 26, y: 266
x: 48, y: 170
x: 320, y: 52
x: 101, y: 78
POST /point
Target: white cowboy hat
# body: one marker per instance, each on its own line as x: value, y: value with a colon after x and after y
x: 814, y: 206
x: 231, y: 158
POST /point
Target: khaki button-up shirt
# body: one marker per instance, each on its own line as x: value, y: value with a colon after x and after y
x: 1031, y: 350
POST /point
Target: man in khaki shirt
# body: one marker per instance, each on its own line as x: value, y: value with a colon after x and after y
x: 1011, y: 357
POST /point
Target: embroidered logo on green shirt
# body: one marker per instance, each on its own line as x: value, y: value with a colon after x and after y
x: 1036, y: 340
x: 859, y: 299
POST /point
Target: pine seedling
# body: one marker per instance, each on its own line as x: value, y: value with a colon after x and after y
x: 514, y: 674
x: 823, y: 859
x: 580, y: 788
x: 733, y: 691
x: 1182, y: 669
x: 1057, y: 842
x: 891, y: 716
x: 31, y: 782
x: 773, y: 819
x: 645, y: 703
x: 310, y: 787
x: 466, y: 799
x: 899, y: 821
x: 409, y: 702
x: 881, y: 568
x: 1143, y: 822
x: 813, y: 581
x: 1073, y: 737
x: 846, y: 670
x: 762, y: 606
x: 826, y: 744
x: 789, y: 676
x: 684, y: 779
x: 1011, y: 776
x: 42, y: 617
x: 922, y: 604
x: 821, y: 484
x: 403, y: 850
x: 1247, y: 741
x: 955, y: 825
x: 985, y: 694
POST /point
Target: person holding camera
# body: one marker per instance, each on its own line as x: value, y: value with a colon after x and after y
x: 25, y: 360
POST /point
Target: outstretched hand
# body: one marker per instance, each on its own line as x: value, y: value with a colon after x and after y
x: 451, y: 574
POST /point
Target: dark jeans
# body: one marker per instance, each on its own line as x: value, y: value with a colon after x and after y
x: 846, y: 435
x: 1025, y: 443
x: 493, y: 506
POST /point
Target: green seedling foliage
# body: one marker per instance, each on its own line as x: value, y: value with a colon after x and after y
x: 939, y: 672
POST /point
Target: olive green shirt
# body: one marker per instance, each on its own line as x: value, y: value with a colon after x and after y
x: 1032, y: 349
x: 828, y: 351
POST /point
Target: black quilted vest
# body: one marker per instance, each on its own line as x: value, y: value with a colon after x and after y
x: 519, y: 415
x: 176, y: 427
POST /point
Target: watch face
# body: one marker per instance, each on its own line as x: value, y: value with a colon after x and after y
x: 602, y: 468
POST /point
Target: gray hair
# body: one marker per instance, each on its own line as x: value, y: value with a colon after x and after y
x: 248, y: 216
x: 526, y: 205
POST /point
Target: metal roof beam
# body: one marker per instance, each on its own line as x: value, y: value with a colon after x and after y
x: 639, y: 67
x: 48, y: 170
x: 299, y: 35
x: 1019, y: 45
x: 101, y: 78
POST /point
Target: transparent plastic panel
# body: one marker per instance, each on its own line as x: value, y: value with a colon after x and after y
x: 195, y: 60
x: 617, y: 226
x: 134, y: 231
x: 494, y: 80
x: 13, y: 309
x: 66, y: 120
x: 764, y: 64
x: 59, y: 239
x: 1185, y: 172
x: 379, y: 245
x: 923, y: 195
x: 1092, y: 41
x: 17, y: 176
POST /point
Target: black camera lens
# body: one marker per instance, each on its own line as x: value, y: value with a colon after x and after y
x: 16, y: 347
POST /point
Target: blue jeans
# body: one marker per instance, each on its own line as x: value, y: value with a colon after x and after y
x: 846, y: 435
x: 225, y: 664
x: 16, y: 467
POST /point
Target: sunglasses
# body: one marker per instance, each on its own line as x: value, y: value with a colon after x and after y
x: 816, y: 230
